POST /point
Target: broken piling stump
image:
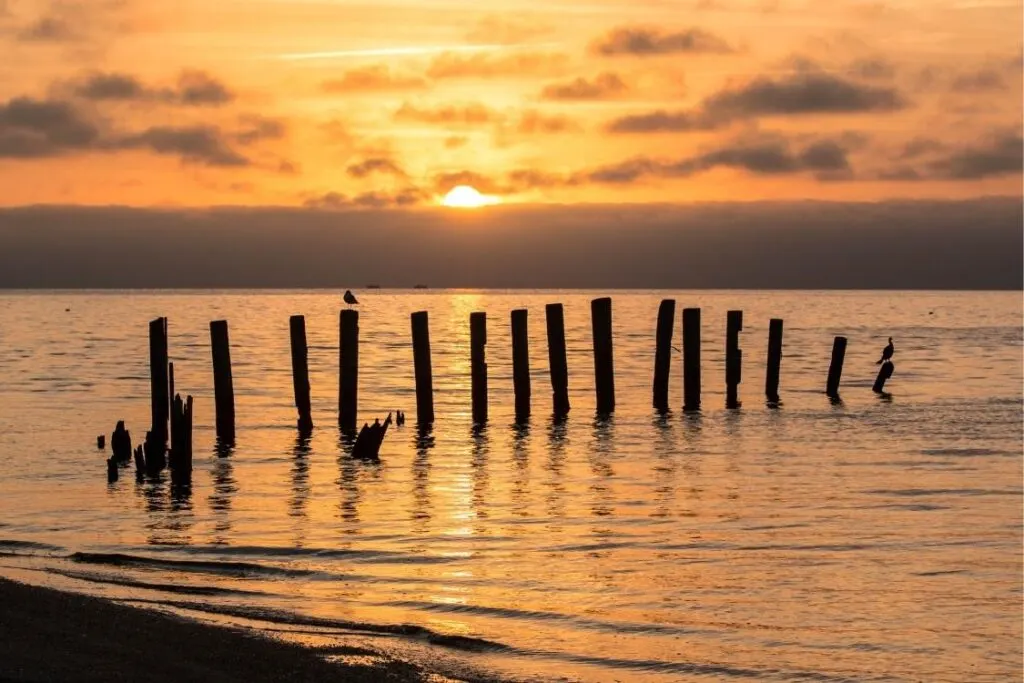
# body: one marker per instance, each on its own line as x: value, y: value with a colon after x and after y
x: 771, y: 382
x: 604, y: 372
x: 884, y: 373
x: 478, y: 366
x: 223, y: 385
x: 348, y: 374
x: 835, y: 368
x: 101, y: 442
x: 121, y: 443
x: 300, y: 371
x: 370, y: 439
x: 557, y: 362
x: 691, y: 359
x: 733, y: 358
x: 181, y: 454
x: 422, y: 369
x: 663, y: 353
x: 111, y: 470
x: 521, y: 365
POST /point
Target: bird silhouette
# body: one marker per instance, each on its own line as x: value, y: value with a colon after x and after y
x: 350, y: 298
x: 886, y: 353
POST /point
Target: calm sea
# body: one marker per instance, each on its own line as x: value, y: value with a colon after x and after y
x: 878, y: 539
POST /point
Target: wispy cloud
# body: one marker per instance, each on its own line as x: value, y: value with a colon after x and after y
x: 399, y: 51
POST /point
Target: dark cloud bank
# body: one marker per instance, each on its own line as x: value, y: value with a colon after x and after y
x: 891, y: 245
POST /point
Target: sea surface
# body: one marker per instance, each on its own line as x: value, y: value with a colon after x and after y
x: 876, y: 539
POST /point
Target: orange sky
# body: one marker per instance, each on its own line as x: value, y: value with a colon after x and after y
x: 393, y: 102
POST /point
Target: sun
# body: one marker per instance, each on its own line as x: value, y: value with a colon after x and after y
x: 467, y: 197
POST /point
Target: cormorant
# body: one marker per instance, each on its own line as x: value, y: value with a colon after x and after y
x: 886, y: 353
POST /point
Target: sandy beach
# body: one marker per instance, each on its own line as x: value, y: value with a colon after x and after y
x: 48, y: 635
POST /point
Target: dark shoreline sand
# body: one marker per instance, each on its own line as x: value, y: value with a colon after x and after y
x: 49, y: 635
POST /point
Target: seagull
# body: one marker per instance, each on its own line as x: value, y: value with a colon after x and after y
x: 886, y: 353
x: 350, y: 298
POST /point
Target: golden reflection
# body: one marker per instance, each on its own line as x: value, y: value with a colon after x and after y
x: 421, y: 480
x: 555, y: 484
x: 521, y: 459
x: 481, y: 449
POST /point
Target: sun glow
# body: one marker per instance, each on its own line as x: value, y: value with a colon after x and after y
x: 466, y: 197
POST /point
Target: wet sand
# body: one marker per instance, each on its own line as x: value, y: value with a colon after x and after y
x: 48, y: 635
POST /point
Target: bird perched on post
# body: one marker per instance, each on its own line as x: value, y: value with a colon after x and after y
x: 350, y: 298
x: 886, y: 353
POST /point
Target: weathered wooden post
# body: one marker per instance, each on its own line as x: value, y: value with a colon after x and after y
x: 555, y: 317
x: 111, y: 470
x: 348, y: 376
x: 478, y: 365
x: 604, y: 372
x: 424, y: 373
x: 835, y: 369
x: 771, y: 382
x: 170, y: 383
x: 223, y: 385
x: 159, y: 395
x: 300, y: 371
x: 181, y: 454
x: 733, y: 358
x: 101, y: 442
x: 884, y: 373
x: 663, y: 353
x: 691, y: 359
x: 521, y: 364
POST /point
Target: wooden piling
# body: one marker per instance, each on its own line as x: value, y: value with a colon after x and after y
x: 555, y: 317
x: 733, y: 358
x: 691, y: 359
x: 835, y: 369
x: 159, y: 393
x: 111, y: 470
x: 170, y: 417
x: 663, y: 353
x: 101, y: 442
x: 348, y: 376
x: 604, y: 372
x: 521, y: 365
x: 223, y: 385
x: 181, y: 455
x: 771, y: 382
x: 300, y: 371
x: 884, y: 373
x: 478, y: 365
x: 424, y: 373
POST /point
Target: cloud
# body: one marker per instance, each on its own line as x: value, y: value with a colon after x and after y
x: 603, y: 86
x: 193, y: 88
x: 665, y: 121
x: 464, y: 114
x: 801, y: 93
x: 532, y: 122
x: 760, y: 155
x: 31, y: 128
x: 874, y: 68
x: 205, y: 145
x: 334, y: 201
x: 48, y: 29
x: 374, y: 78
x: 199, y: 88
x: 980, y: 81
x: 257, y: 128
x: 644, y: 42
x: 443, y: 182
x: 1000, y: 155
x: 920, y: 146
x: 382, y: 165
x: 492, y: 64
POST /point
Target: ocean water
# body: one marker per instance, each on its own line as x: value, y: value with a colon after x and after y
x: 877, y: 539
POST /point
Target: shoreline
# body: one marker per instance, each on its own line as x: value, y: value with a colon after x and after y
x: 53, y: 635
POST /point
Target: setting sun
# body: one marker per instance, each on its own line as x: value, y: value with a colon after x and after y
x: 466, y: 197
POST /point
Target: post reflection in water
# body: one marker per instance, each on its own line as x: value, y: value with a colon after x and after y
x: 481, y: 451
x: 601, y: 468
x: 299, y: 500
x: 224, y: 490
x: 665, y: 465
x: 558, y: 442
x: 169, y: 511
x: 348, y: 484
x: 424, y: 442
x: 521, y: 459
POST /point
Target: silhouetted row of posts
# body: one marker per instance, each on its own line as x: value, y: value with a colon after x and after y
x: 601, y: 317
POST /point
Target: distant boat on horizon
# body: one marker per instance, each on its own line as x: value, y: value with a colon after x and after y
x: 421, y: 287
x: 373, y: 286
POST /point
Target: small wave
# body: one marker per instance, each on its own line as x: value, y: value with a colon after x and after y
x: 227, y: 568
x: 282, y: 617
x: 360, y: 556
x: 19, y: 548
x: 164, y: 587
x: 965, y: 452
x: 945, y: 492
x: 512, y: 613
